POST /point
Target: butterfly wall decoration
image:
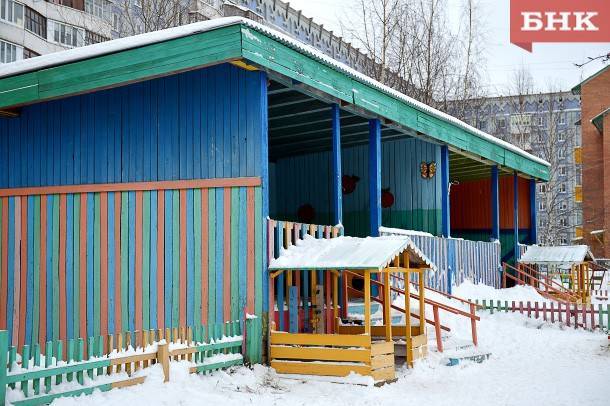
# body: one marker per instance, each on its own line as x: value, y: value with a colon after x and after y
x: 427, y: 169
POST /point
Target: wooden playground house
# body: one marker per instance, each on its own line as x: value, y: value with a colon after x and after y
x: 564, y: 273
x: 330, y: 342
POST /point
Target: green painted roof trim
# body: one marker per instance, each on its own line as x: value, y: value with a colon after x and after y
x: 598, y: 120
x: 576, y: 89
x: 243, y: 39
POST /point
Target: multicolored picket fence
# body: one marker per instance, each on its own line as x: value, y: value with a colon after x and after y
x: 590, y: 317
x: 457, y: 260
x: 92, y: 260
x: 69, y: 368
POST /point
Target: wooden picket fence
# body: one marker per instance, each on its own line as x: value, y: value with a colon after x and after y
x: 589, y: 317
x: 32, y: 378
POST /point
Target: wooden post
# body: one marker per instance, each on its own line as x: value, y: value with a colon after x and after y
x: 422, y: 303
x: 437, y: 329
x: 345, y: 296
x: 387, y: 306
x: 409, y: 344
x: 335, y: 299
x: 336, y: 158
x: 375, y: 176
x: 473, y: 325
x: 367, y: 302
x: 163, y: 359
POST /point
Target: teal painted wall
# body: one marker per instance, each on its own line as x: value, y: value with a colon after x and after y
x: 299, y: 180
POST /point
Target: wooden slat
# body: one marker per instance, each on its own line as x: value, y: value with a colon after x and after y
x: 382, y: 361
x: 320, y: 354
x: 384, y: 374
x: 382, y: 348
x: 133, y: 186
x: 319, y: 368
x: 338, y: 340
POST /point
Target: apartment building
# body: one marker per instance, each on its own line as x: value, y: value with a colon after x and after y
x: 34, y: 27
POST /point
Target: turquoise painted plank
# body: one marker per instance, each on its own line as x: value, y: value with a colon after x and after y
x: 30, y: 268
x: 146, y: 217
x: 243, y: 247
x: 111, y: 263
x: 70, y: 266
x: 236, y: 310
x: 259, y: 249
x: 218, y: 289
x: 190, y: 258
x: 125, y: 261
x: 55, y: 269
x: 175, y: 224
x: 197, y: 256
x: 168, y: 258
x: 212, y: 256
x: 153, y: 259
x: 96, y: 266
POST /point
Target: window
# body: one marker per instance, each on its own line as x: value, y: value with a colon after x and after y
x: 483, y: 125
x: 540, y: 121
x: 10, y: 52
x: 563, y: 222
x: 542, y: 205
x: 95, y: 7
x: 93, y: 38
x: 28, y: 53
x: 115, y: 22
x: 563, y: 205
x: 561, y: 154
x: 563, y: 170
x: 35, y: 22
x: 562, y: 187
x: 501, y: 121
x: 564, y: 241
x: 543, y: 188
x: 543, y: 223
x: 65, y: 34
x: 561, y: 135
x: 11, y: 11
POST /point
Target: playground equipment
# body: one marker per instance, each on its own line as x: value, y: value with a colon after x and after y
x: 339, y: 346
x: 566, y: 273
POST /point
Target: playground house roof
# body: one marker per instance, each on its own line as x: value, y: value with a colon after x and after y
x: 254, y: 46
x: 562, y: 255
x: 348, y: 253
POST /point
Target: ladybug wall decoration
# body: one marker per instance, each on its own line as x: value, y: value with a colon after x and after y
x: 348, y: 183
x: 427, y: 169
x: 387, y: 198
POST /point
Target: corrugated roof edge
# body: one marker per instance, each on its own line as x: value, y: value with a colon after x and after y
x: 109, y: 47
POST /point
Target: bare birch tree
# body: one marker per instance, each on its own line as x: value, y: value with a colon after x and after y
x: 140, y: 16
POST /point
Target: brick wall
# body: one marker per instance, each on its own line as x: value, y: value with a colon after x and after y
x: 595, y: 96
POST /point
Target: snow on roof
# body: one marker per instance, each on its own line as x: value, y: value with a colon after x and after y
x: 400, y: 231
x: 104, y: 48
x: 348, y: 253
x: 568, y: 254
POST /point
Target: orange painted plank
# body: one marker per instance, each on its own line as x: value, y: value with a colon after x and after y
x: 104, y: 264
x: 4, y: 262
x: 24, y: 270
x: 250, y: 247
x: 205, y: 239
x: 42, y: 337
x: 117, y: 262
x: 62, y: 267
x: 138, y: 271
x: 83, y: 265
x: 182, y: 300
x: 134, y: 186
x: 160, y: 259
x: 17, y: 270
x: 227, y: 255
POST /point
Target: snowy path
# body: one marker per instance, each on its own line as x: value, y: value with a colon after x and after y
x: 533, y: 363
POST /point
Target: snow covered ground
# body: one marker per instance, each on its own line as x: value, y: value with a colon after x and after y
x: 532, y: 363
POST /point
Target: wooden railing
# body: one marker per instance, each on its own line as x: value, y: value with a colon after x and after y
x: 527, y: 277
x: 589, y: 317
x: 35, y: 377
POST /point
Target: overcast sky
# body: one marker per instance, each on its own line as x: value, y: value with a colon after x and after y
x: 548, y: 63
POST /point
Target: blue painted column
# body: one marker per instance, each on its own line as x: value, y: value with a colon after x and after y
x: 495, y: 203
x: 516, y: 214
x: 337, y: 188
x: 375, y: 175
x: 446, y: 220
x: 263, y: 117
x: 533, y: 213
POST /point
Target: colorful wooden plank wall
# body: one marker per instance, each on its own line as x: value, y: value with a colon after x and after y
x: 471, y: 204
x: 306, y: 179
x: 100, y: 259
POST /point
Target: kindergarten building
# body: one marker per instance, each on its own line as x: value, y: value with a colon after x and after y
x: 146, y: 182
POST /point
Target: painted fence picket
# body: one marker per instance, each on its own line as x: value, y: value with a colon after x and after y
x: 588, y: 316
